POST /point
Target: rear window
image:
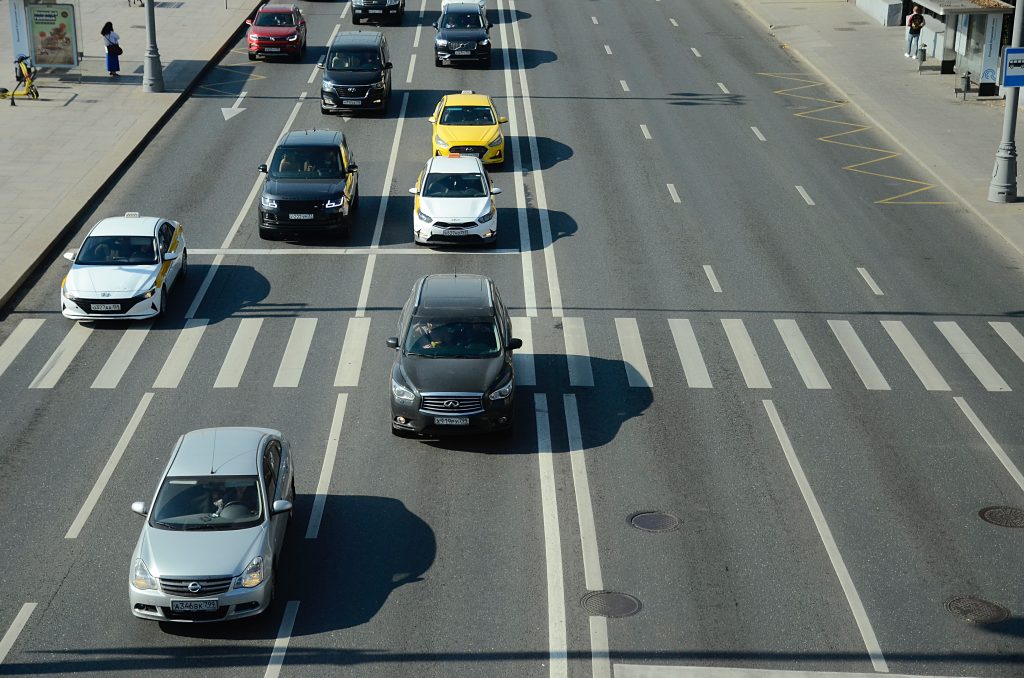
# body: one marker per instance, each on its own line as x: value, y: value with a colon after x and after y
x: 297, y: 162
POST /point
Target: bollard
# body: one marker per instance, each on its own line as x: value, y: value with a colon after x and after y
x: 922, y: 54
x: 965, y: 83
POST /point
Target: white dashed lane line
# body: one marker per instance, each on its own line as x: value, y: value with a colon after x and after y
x: 345, y: 11
x: 625, y: 87
x: 672, y: 192
x: 695, y: 51
x: 416, y: 38
x: 712, y: 278
x: 594, y: 19
x: 803, y: 194
x: 607, y: 49
x: 7, y: 642
x: 673, y: 22
x: 725, y: 90
x: 646, y: 132
x: 757, y: 133
x: 870, y: 281
x: 412, y: 65
x: 330, y: 41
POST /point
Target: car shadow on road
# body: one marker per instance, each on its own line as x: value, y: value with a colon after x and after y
x: 706, y: 99
x: 532, y: 58
x: 232, y: 290
x: 550, y: 151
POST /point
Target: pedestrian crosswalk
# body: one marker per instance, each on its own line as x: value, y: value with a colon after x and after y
x: 699, y: 352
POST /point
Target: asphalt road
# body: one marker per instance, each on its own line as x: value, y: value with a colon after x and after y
x: 812, y: 362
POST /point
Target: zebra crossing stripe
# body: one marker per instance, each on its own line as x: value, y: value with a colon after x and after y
x: 858, y: 356
x: 638, y: 374
x: 971, y: 356
x: 806, y: 364
x: 230, y: 374
x: 1006, y: 331
x: 61, y: 358
x: 689, y: 354
x: 294, y: 360
x: 121, y: 358
x: 526, y: 371
x: 181, y: 354
x: 577, y: 352
x: 351, y: 362
x: 915, y: 356
x: 746, y: 355
x: 17, y: 340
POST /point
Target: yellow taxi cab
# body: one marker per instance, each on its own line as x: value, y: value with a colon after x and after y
x: 468, y: 124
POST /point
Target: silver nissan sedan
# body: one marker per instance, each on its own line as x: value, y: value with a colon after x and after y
x: 215, y: 528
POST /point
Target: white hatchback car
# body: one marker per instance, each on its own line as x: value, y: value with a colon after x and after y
x: 124, y: 269
x: 454, y: 203
x: 482, y: 3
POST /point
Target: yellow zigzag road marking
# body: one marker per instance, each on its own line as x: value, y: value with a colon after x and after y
x: 829, y: 104
x: 233, y: 69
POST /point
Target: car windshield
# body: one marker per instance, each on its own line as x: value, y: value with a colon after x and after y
x: 275, y: 19
x: 117, y: 250
x: 291, y: 162
x: 207, y: 503
x: 353, y: 60
x: 454, y: 186
x: 452, y: 338
x: 462, y: 20
x: 467, y: 115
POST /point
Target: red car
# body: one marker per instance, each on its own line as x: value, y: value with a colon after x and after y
x: 277, y: 30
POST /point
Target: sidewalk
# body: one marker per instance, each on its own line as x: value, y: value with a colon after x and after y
x: 59, y: 151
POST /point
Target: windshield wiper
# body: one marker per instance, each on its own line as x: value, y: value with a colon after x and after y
x: 169, y: 526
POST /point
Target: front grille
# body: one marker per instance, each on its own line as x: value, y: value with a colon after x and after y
x: 219, y: 613
x: 445, y: 225
x: 463, y: 404
x: 123, y: 304
x: 273, y: 38
x: 179, y: 587
x: 300, y: 206
x: 352, y: 91
x: 468, y: 150
x: 371, y: 3
x: 461, y: 45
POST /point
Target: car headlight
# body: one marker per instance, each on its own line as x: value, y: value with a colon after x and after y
x: 68, y: 294
x: 440, y: 142
x: 484, y: 42
x: 401, y: 393
x: 504, y: 391
x: 252, y: 575
x: 269, y: 203
x: 142, y: 579
x: 487, y: 216
x: 253, y: 37
x: 496, y: 141
x: 149, y: 293
x: 335, y: 202
x: 293, y: 38
x: 440, y: 43
x: 424, y: 216
x: 377, y: 85
x: 326, y: 86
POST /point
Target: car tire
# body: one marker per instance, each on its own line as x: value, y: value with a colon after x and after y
x: 324, y: 111
x: 267, y: 234
x: 163, y: 301
x: 355, y: 200
x: 400, y: 432
x: 437, y: 62
x: 356, y: 20
x: 252, y: 57
x: 183, y: 273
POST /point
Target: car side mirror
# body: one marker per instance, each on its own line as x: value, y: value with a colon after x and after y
x: 431, y: 120
x: 302, y: 22
x: 321, y: 62
x: 434, y: 25
x: 392, y: 342
x: 489, y: 25
x: 140, y: 507
x: 352, y: 167
x: 388, y: 66
x: 70, y: 256
x: 514, y: 344
x: 495, y: 190
x: 502, y: 119
x: 248, y: 22
x: 262, y: 168
x: 170, y: 256
x: 281, y: 506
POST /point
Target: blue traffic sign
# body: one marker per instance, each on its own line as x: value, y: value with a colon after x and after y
x: 1013, y: 67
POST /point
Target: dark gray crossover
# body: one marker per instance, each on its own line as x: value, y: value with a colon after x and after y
x: 462, y: 35
x: 453, y: 368
x: 356, y: 73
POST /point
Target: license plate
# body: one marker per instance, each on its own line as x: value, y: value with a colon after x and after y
x: 209, y: 605
x: 300, y: 216
x: 451, y: 421
x: 470, y: 155
x: 454, y: 231
x: 351, y: 102
x: 462, y: 52
x: 271, y: 49
x: 106, y: 307
x: 376, y: 11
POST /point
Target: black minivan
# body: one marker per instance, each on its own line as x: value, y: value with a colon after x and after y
x: 356, y: 73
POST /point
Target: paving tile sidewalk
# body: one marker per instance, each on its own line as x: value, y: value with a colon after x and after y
x: 58, y: 151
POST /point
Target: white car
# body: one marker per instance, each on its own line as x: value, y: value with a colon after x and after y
x: 454, y: 203
x: 482, y: 3
x: 124, y: 269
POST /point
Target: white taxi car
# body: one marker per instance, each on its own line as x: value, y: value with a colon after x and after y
x: 454, y: 203
x: 124, y: 269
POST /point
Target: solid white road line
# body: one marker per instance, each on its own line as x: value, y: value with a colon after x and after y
x: 757, y: 133
x: 648, y: 671
x: 330, y: 456
x: 62, y: 358
x: 721, y: 86
x: 673, y: 194
x: 423, y: 8
x: 915, y: 356
x: 230, y: 374
x: 625, y: 87
x: 990, y: 440
x: 712, y: 278
x: 181, y: 353
x: 646, y: 132
x: 290, y: 371
x: 17, y: 340
x: 607, y: 49
x: 122, y: 356
x: 804, y: 195
x: 638, y: 374
x: 746, y: 355
x: 581, y: 486
x: 108, y: 468
x: 800, y: 351
x: 344, y: 10
x: 867, y: 632
x: 526, y: 371
x: 577, y: 352
x: 870, y: 281
x: 342, y: 251
x: 352, y: 351
x: 600, y: 661
x: 594, y: 19
x: 858, y: 355
x: 972, y: 357
x: 676, y: 24
x: 330, y: 41
x: 15, y: 629
x: 416, y: 38
x: 689, y: 354
x: 1006, y: 331
x: 412, y: 65
x: 284, y: 634
x: 557, y: 636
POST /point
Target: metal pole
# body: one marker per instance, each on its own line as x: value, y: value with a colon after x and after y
x: 1003, y: 187
x: 152, y: 71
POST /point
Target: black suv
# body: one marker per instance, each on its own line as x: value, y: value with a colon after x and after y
x: 462, y: 35
x: 378, y: 10
x: 356, y: 73
x: 453, y: 372
x: 312, y: 185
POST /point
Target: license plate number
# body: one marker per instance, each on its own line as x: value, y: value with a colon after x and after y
x: 195, y: 605
x: 470, y: 155
x: 271, y: 49
x: 454, y: 231
x: 106, y: 307
x: 351, y: 102
x: 462, y: 52
x: 376, y: 11
x: 451, y: 421
x: 300, y: 216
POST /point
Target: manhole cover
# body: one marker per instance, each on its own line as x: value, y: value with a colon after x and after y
x: 976, y: 610
x: 1003, y: 516
x: 610, y: 604
x: 654, y: 521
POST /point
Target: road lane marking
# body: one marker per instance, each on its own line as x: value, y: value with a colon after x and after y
x: 724, y: 89
x: 330, y: 41
x: 800, y: 351
x: 423, y: 8
x: 231, y: 370
x: 690, y: 356
x: 294, y: 360
x: 712, y: 278
x: 412, y: 65
x: 338, y: 251
x: 557, y: 637
x: 804, y: 195
x: 672, y: 193
x: 416, y: 38
x: 122, y: 356
x: 746, y: 355
x: 577, y: 352
x: 858, y: 356
x: 284, y: 634
x: 649, y: 671
x: 638, y: 374
x: 757, y: 133
x: 607, y: 49
x: 676, y: 24
x: 344, y: 10
x: 870, y: 281
x: 17, y: 340
x: 867, y: 632
x: 181, y: 353
x: 15, y: 629
x: 108, y: 468
x: 1006, y: 331
x: 625, y: 87
x: 992, y: 443
x: 352, y: 351
x: 972, y: 357
x: 526, y: 370
x: 646, y: 132
x: 915, y: 356
x: 62, y: 358
x: 229, y: 113
x: 323, y: 485
x: 594, y: 19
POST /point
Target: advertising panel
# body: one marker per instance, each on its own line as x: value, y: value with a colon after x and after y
x: 54, y: 42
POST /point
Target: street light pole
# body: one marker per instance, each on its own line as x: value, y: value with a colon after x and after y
x: 1003, y: 187
x: 152, y: 71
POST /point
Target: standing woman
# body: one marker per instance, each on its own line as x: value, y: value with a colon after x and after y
x: 110, y: 40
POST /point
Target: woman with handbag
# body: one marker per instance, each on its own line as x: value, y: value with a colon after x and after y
x: 110, y: 40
